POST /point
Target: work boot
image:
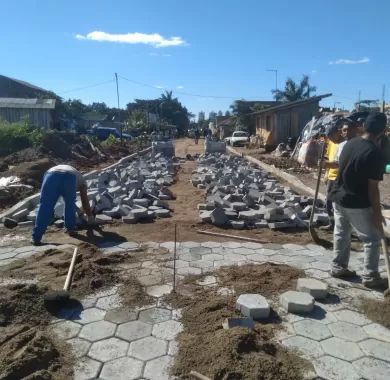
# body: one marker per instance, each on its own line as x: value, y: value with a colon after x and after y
x: 36, y: 243
x: 374, y: 282
x: 342, y: 273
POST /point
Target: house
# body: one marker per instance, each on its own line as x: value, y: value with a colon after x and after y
x: 225, y: 126
x: 14, y: 88
x: 89, y: 119
x: 36, y: 112
x: 276, y: 124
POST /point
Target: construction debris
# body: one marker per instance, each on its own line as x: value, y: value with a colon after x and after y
x: 239, y: 195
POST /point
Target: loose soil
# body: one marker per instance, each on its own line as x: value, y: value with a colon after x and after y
x: 27, y: 350
x: 377, y: 311
x: 237, y: 353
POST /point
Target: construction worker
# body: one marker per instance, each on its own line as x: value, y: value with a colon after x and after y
x: 357, y: 201
x: 334, y: 138
x: 349, y: 130
x: 65, y: 181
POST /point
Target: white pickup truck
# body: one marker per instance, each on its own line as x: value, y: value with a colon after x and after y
x: 238, y: 138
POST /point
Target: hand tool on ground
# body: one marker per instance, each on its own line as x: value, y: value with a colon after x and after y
x: 199, y: 376
x: 387, y: 263
x: 312, y: 231
x: 230, y: 236
x: 63, y: 295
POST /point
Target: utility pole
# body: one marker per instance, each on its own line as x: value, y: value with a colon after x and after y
x: 276, y: 77
x: 383, y: 97
x: 119, y: 112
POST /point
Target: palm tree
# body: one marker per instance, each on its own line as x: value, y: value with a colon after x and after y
x: 294, y: 91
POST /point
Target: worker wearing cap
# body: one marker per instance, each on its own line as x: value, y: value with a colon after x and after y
x: 357, y: 201
x: 334, y: 138
x: 65, y: 181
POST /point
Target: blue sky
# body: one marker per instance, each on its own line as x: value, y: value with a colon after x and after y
x: 215, y: 48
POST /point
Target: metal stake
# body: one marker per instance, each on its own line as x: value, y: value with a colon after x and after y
x: 174, y: 261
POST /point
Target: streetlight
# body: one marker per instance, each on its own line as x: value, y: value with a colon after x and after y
x: 276, y: 77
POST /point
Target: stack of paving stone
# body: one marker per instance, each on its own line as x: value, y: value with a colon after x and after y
x: 132, y: 192
x: 240, y: 195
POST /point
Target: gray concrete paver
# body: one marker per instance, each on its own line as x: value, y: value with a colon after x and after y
x: 376, y: 348
x: 372, y: 369
x: 155, y: 315
x: 351, y: 317
x: 97, y: 330
x: 341, y: 349
x: 86, y: 369
x: 121, y: 315
x: 133, y: 330
x: 109, y: 302
x: 80, y: 347
x: 108, y: 349
x: 158, y: 369
x: 90, y: 315
x: 347, y: 331
x: 312, y: 329
x: 377, y: 331
x: 122, y: 369
x: 167, y: 330
x: 67, y: 329
x: 308, y: 347
x: 148, y: 348
x: 330, y: 368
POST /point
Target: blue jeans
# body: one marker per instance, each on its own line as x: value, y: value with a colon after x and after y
x: 361, y: 220
x: 54, y: 185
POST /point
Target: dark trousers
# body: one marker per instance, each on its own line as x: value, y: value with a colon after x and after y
x: 329, y: 204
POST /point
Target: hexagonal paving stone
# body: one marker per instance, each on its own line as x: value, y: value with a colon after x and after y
x: 377, y: 331
x: 128, y: 245
x: 66, y: 329
x: 109, y: 302
x: 173, y: 348
x: 86, y: 369
x: 158, y: 369
x: 330, y: 368
x: 189, y: 244
x: 190, y: 256
x: 309, y: 348
x: 376, y: 348
x: 108, y: 349
x: 148, y: 348
x: 341, y: 349
x: 211, y: 244
x: 312, y: 329
x: 158, y: 290
x: 154, y: 315
x: 121, y: 315
x: 97, y: 330
x: 372, y: 369
x: 347, y: 331
x: 212, y: 257
x: 122, y: 369
x: 167, y: 330
x: 80, y: 347
x: 231, y: 244
x: 133, y: 330
x: 91, y: 315
x: 351, y: 317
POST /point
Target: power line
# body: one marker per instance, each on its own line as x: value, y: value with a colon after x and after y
x: 89, y: 86
x: 177, y: 92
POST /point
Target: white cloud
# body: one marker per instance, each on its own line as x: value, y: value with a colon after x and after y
x: 314, y: 71
x: 159, y: 86
x: 180, y: 87
x: 154, y: 39
x: 343, y: 61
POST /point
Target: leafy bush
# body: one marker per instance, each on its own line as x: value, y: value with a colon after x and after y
x: 109, y: 141
x: 18, y: 136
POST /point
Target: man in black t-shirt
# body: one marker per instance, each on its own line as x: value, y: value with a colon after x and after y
x: 357, y: 201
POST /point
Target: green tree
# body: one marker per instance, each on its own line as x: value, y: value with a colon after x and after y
x: 294, y: 91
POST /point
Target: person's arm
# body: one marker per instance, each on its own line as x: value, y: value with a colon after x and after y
x: 85, y: 200
x: 374, y: 197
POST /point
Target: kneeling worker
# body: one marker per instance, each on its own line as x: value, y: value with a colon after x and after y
x: 65, y: 181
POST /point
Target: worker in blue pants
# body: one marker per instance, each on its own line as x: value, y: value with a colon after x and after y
x: 64, y: 181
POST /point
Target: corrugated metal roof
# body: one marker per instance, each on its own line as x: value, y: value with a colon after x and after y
x: 27, y: 103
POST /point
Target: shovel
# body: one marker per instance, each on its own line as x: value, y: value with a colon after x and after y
x: 386, y: 255
x: 60, y: 296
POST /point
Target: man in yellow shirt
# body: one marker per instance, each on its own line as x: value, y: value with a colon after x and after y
x: 331, y: 164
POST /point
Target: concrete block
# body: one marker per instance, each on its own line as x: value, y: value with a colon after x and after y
x: 129, y: 219
x: 230, y: 323
x: 316, y: 288
x: 237, y: 224
x: 102, y: 219
x: 253, y: 305
x: 162, y: 213
x: 140, y: 212
x: 297, y: 302
x: 218, y: 217
x: 239, y: 206
x: 21, y: 215
x: 205, y: 216
x: 144, y: 202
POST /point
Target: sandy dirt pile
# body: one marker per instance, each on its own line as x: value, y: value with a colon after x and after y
x: 377, y: 311
x: 27, y: 350
x: 238, y: 353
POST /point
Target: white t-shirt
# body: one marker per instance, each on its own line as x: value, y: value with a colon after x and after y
x: 80, y: 181
x: 340, y: 149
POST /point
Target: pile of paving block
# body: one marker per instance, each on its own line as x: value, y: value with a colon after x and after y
x: 300, y: 301
x: 240, y: 195
x: 133, y: 192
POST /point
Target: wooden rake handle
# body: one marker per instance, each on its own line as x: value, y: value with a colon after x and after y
x: 69, y: 276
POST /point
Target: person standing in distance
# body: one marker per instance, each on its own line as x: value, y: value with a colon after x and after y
x: 65, y: 181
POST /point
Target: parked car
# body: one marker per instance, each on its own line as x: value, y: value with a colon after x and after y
x: 238, y: 138
x: 102, y: 133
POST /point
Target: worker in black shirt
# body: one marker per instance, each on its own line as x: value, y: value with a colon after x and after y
x: 357, y: 201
